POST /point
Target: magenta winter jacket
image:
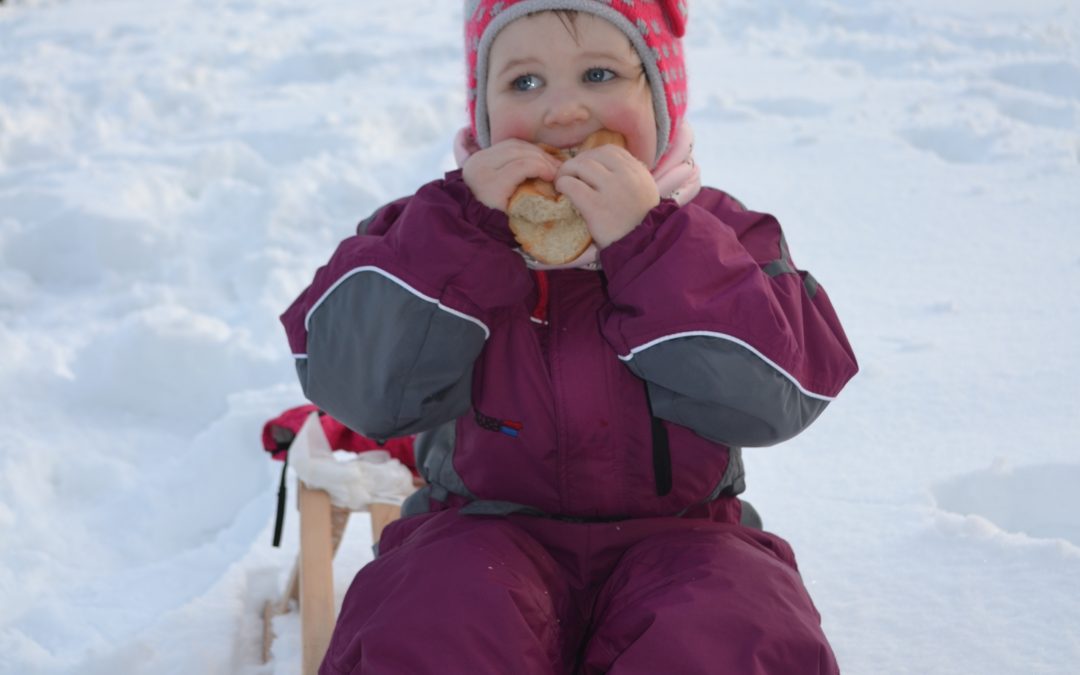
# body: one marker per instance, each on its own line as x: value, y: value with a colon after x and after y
x: 571, y: 393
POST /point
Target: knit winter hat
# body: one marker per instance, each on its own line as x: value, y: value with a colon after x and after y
x: 654, y: 27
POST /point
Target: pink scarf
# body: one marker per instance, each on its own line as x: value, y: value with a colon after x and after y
x: 677, y: 177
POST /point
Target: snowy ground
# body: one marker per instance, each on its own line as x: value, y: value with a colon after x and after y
x: 171, y: 173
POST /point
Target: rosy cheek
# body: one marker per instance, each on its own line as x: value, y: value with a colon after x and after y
x: 504, y: 126
x: 640, y: 132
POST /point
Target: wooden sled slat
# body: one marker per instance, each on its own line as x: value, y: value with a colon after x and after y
x: 316, y: 577
x: 311, y: 585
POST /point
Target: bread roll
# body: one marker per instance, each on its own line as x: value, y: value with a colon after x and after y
x: 545, y: 222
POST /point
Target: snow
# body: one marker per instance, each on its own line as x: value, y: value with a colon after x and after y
x: 171, y: 174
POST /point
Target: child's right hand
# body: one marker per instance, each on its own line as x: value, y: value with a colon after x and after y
x: 493, y: 174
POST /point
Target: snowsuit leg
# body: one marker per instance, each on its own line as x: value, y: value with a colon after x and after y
x: 714, y: 599
x: 454, y: 594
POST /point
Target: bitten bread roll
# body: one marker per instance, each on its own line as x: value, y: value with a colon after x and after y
x: 544, y: 221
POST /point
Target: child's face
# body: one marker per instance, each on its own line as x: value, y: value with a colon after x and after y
x: 548, y: 85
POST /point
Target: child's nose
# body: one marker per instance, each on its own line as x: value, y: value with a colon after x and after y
x: 564, y: 109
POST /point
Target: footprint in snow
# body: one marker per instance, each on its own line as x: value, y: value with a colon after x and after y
x: 1062, y: 116
x: 1040, y: 501
x: 1059, y: 79
x: 954, y: 143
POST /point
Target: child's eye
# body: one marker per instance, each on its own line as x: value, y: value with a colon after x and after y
x: 599, y: 75
x: 526, y: 83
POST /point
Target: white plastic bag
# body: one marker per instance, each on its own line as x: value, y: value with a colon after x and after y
x: 355, y: 483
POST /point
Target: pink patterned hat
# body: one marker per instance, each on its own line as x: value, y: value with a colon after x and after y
x: 654, y: 27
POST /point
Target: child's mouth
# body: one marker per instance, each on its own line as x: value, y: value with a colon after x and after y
x: 563, y: 152
x: 573, y: 150
x: 593, y: 140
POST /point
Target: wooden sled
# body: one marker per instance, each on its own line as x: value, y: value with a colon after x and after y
x: 311, y: 583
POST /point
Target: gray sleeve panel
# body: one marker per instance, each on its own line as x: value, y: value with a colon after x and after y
x: 387, y: 362
x: 435, y: 459
x: 417, y: 502
x: 724, y: 391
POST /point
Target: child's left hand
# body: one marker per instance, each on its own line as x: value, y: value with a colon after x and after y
x: 611, y: 188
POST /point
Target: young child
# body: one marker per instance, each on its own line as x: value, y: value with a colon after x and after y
x: 582, y: 425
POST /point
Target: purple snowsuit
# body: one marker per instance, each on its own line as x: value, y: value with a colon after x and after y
x: 581, y: 439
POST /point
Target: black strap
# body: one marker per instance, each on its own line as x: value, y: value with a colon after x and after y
x: 279, y: 522
x: 661, y: 450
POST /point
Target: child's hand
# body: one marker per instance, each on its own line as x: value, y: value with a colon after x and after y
x: 493, y: 174
x: 611, y: 189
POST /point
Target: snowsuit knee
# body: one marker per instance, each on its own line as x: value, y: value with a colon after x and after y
x: 483, y: 594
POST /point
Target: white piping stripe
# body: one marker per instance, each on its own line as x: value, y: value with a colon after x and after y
x: 399, y: 282
x: 299, y: 356
x: 729, y: 338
